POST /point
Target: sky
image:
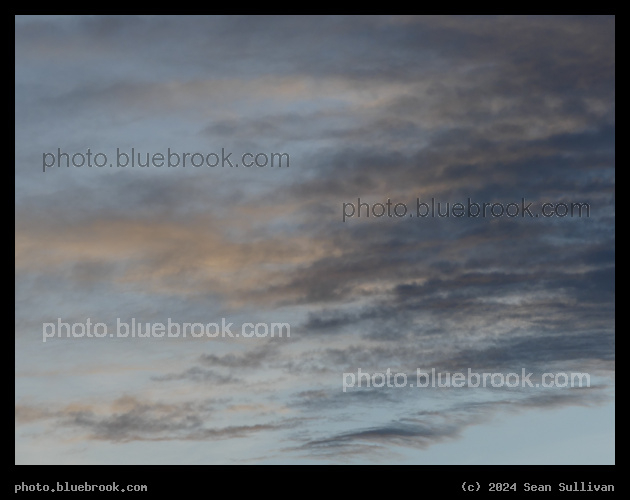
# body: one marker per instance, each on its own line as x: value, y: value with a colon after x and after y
x: 470, y: 109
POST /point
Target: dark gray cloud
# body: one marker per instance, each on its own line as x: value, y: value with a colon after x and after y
x: 426, y: 428
x: 254, y: 358
x: 197, y: 374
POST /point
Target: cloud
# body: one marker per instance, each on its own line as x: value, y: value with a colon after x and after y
x: 428, y: 428
x: 504, y: 109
